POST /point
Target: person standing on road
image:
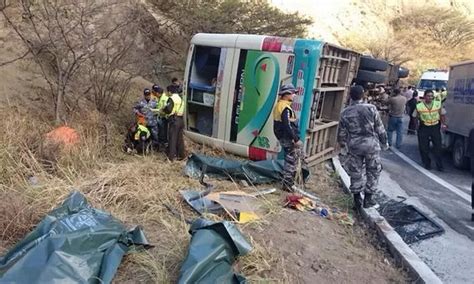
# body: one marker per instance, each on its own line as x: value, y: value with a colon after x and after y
x: 287, y: 133
x: 361, y: 134
x: 396, y: 110
x: 175, y: 110
x: 411, y: 107
x: 431, y: 117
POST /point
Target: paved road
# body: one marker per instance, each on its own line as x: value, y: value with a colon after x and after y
x: 445, y: 197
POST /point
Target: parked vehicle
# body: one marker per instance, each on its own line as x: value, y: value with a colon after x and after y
x: 231, y: 84
x: 459, y: 107
x: 432, y: 79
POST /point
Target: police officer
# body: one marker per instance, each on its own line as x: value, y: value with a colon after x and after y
x: 361, y: 134
x: 286, y: 131
x: 147, y: 108
x: 175, y: 110
x: 431, y: 116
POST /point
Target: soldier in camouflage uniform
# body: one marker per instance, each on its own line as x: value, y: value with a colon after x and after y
x: 361, y: 134
x: 286, y: 131
x: 148, y: 108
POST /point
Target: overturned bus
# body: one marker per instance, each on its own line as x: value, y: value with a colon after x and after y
x: 231, y: 84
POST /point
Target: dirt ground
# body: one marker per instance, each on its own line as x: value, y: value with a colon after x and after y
x: 307, y: 248
x: 316, y: 249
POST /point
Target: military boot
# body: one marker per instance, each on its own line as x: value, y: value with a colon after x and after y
x: 369, y: 201
x: 357, y: 201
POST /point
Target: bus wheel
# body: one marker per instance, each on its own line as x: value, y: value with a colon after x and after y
x: 459, y: 158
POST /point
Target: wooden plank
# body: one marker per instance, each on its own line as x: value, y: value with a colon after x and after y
x: 319, y: 155
x: 323, y: 126
x: 330, y: 89
x: 335, y: 57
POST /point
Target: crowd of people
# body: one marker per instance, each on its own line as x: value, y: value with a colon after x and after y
x: 159, y: 123
x: 362, y: 135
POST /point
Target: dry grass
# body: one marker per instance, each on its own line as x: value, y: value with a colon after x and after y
x: 134, y: 189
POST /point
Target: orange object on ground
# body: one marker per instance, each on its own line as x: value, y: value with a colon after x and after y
x: 63, y: 135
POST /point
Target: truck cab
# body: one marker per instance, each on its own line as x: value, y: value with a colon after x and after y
x: 432, y: 79
x: 231, y: 84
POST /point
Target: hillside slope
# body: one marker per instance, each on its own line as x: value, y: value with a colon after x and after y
x: 368, y: 17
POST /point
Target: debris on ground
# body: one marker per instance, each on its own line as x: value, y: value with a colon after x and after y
x: 214, y: 247
x: 63, y: 135
x: 410, y: 223
x: 73, y: 243
x: 240, y: 206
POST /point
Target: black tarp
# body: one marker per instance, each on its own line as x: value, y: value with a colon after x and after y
x: 74, y: 243
x: 212, y: 251
x: 255, y: 172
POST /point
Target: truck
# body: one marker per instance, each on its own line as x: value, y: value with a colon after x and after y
x: 432, y: 79
x: 459, y: 107
x: 231, y: 83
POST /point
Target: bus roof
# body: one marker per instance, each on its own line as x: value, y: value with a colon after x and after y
x: 462, y: 63
x: 246, y: 41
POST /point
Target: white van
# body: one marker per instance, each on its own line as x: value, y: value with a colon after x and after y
x: 432, y: 79
x: 231, y: 84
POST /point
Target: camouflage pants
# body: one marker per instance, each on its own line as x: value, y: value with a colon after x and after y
x: 364, y: 172
x: 292, y: 155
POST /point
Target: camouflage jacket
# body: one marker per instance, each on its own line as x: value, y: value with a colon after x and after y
x: 361, y: 129
x: 144, y: 107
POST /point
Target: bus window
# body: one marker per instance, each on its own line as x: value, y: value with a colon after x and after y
x: 202, y: 89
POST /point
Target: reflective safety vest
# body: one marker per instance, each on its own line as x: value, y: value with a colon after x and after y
x: 429, y: 116
x: 280, y: 107
x: 178, y: 105
x: 162, y: 101
x: 141, y: 129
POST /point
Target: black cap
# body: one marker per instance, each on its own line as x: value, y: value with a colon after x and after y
x: 146, y: 91
x: 157, y: 88
x: 357, y: 92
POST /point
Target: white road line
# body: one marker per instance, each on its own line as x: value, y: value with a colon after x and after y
x: 449, y: 186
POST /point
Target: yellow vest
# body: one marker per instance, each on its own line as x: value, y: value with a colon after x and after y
x: 178, y: 105
x: 140, y: 129
x: 162, y: 101
x: 280, y: 107
x: 429, y: 116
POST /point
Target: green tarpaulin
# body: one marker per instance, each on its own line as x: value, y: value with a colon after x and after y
x: 255, y: 172
x: 212, y: 251
x: 74, y: 243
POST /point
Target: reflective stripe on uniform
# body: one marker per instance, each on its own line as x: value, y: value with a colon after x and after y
x: 429, y: 116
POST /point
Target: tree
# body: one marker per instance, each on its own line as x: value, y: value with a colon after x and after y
x: 234, y: 16
x: 447, y: 26
x: 62, y: 36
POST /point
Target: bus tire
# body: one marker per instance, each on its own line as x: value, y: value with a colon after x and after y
x: 403, y: 72
x: 372, y: 64
x: 460, y: 160
x: 369, y: 76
